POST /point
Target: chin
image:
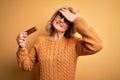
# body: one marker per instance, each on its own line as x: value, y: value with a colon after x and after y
x: 58, y: 28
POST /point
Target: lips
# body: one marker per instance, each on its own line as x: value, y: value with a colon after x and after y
x: 59, y: 24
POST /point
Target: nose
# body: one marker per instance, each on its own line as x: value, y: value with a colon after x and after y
x: 62, y: 19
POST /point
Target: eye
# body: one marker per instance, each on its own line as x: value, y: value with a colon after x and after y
x: 66, y: 21
x: 60, y: 15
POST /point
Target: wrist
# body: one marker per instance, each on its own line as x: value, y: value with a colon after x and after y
x: 21, y: 47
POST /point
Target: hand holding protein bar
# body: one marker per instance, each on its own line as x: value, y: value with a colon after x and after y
x: 31, y: 30
x: 22, y: 37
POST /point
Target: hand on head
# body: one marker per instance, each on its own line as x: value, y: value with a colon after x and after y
x: 69, y: 15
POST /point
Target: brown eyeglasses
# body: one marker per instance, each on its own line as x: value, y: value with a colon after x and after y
x: 60, y: 16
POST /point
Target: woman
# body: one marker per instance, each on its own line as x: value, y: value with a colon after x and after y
x: 57, y: 53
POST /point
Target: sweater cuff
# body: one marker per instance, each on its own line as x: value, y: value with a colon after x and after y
x: 76, y: 20
x: 22, y: 52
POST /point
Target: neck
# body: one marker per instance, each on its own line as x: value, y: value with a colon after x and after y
x: 57, y: 35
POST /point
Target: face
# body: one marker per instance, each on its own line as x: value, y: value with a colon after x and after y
x: 60, y: 23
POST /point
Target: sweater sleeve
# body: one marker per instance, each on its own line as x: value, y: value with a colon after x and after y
x: 90, y: 43
x: 26, y: 60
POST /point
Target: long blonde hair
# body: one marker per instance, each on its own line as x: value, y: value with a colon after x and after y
x: 69, y: 32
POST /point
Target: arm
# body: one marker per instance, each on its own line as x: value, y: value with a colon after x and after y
x: 25, y: 60
x: 90, y: 42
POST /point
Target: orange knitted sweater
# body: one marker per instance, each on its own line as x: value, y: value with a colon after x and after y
x: 57, y: 58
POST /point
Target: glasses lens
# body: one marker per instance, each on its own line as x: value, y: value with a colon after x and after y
x: 61, y: 16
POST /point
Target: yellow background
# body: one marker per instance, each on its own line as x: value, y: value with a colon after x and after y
x: 19, y: 15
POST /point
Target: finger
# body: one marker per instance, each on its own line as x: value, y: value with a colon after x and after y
x: 64, y: 8
x: 77, y: 11
x: 66, y: 11
x: 62, y: 12
x: 70, y: 9
x: 23, y: 35
x: 21, y: 40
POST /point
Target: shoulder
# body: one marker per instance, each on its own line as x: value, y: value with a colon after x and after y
x: 41, y: 37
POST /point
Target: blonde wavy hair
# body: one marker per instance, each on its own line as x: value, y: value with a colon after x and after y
x: 69, y: 32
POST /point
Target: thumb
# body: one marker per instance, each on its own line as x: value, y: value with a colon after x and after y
x: 77, y: 11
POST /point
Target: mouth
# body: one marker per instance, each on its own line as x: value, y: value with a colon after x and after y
x: 59, y: 24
